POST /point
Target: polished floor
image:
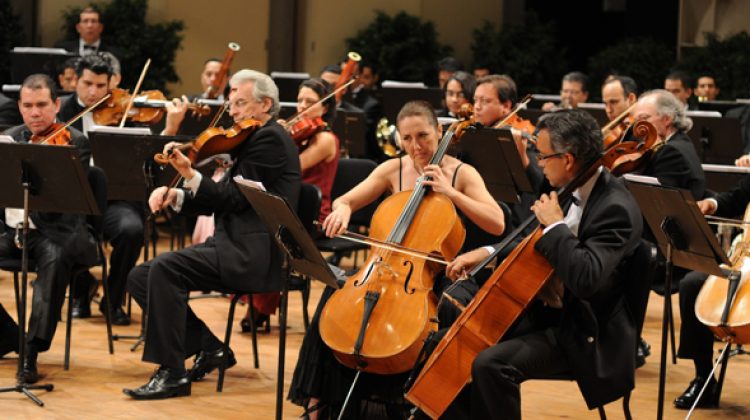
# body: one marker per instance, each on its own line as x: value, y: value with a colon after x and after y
x: 92, y: 388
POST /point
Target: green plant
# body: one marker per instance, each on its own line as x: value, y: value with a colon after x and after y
x: 404, y: 47
x: 11, y: 35
x: 728, y: 60
x: 528, y: 52
x: 126, y: 28
x: 644, y: 59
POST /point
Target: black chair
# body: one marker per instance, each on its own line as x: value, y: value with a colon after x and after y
x: 640, y: 274
x: 98, y: 181
x: 308, y: 211
x: 350, y: 173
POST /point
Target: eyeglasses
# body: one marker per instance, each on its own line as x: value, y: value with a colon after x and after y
x: 540, y: 157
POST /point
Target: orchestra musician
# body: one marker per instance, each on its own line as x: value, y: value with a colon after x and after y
x: 56, y: 241
x: 706, y: 88
x: 122, y: 223
x: 319, y: 380
x: 585, y: 245
x: 241, y: 255
x: 696, y: 339
x: 319, y: 159
x: 66, y: 77
x: 679, y: 83
x: 459, y: 90
x: 447, y: 66
x: 90, y: 29
x: 618, y: 94
x: 573, y: 92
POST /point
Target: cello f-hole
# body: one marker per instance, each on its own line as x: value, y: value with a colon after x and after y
x: 408, y: 277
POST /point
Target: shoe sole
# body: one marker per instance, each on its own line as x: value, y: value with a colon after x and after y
x: 197, y: 378
x: 176, y: 393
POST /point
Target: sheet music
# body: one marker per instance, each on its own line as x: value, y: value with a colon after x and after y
x: 642, y: 179
x: 138, y: 131
x: 249, y: 182
x: 36, y: 50
x: 397, y: 84
x: 731, y: 169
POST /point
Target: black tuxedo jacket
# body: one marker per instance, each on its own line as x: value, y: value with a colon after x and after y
x: 9, y: 114
x: 248, y: 256
x: 733, y: 203
x: 73, y: 46
x: 597, y: 332
x: 64, y: 229
x: 677, y: 165
x: 69, y: 108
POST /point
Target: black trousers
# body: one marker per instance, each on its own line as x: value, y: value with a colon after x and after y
x: 123, y: 228
x: 8, y: 332
x: 161, y: 287
x: 696, y: 340
x: 53, y: 272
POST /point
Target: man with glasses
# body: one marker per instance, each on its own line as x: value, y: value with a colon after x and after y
x: 573, y: 92
x: 590, y: 336
x: 241, y: 255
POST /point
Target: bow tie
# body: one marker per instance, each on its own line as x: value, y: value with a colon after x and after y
x: 575, y: 200
x: 89, y: 47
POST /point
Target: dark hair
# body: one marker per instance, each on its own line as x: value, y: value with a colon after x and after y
x: 94, y: 63
x: 70, y: 63
x: 90, y: 9
x: 573, y: 131
x: 708, y: 74
x: 467, y: 81
x: 331, y: 68
x: 628, y: 84
x: 683, y: 77
x: 41, y: 81
x: 371, y: 64
x: 322, y: 88
x: 418, y: 108
x: 504, y: 85
x: 450, y: 64
x: 577, y: 77
x: 208, y: 60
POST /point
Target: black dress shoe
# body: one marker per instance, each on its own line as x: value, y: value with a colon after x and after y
x: 207, y: 361
x: 29, y: 374
x: 163, y: 384
x: 708, y: 399
x: 81, y: 308
x: 119, y: 317
x: 262, y: 323
x: 644, y: 349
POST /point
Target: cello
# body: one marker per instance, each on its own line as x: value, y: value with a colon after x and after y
x: 512, y: 287
x: 376, y: 323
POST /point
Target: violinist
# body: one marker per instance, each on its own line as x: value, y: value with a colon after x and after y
x: 319, y: 159
x: 56, y: 241
x: 696, y: 339
x: 459, y: 90
x: 585, y: 244
x: 680, y: 84
x: 94, y: 74
x: 177, y: 109
x: 618, y: 94
x: 241, y: 255
x: 319, y: 380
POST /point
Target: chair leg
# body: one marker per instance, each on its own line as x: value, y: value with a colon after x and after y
x: 227, y: 337
x: 305, y: 301
x: 626, y: 407
x: 69, y: 323
x: 602, y: 413
x: 722, y: 374
x: 253, y: 330
x: 107, y: 302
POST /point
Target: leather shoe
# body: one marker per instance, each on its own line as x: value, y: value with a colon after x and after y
x: 643, y: 351
x: 207, y: 361
x: 119, y: 317
x: 708, y: 400
x: 163, y: 384
x: 81, y: 308
x: 262, y: 323
x: 29, y: 374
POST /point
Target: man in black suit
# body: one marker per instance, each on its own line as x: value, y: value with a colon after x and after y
x: 592, y: 335
x: 9, y: 114
x: 241, y: 255
x: 56, y: 241
x: 696, y: 340
x: 89, y: 28
x: 122, y: 222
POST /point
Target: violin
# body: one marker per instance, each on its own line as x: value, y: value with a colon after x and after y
x: 112, y: 111
x: 214, y: 141
x: 305, y: 129
x: 56, y: 134
x: 614, y: 130
x: 722, y: 303
x: 632, y: 155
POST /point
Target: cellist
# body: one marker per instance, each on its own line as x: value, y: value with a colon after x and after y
x: 696, y: 339
x: 319, y: 380
x: 585, y: 245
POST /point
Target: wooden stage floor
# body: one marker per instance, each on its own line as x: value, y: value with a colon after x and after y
x: 92, y: 388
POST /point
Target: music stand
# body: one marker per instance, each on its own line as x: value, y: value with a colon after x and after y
x: 395, y: 97
x: 494, y: 154
x: 45, y: 179
x: 350, y: 127
x: 684, y: 238
x: 717, y: 140
x: 25, y: 61
x: 299, y: 254
x: 132, y: 178
x: 194, y: 124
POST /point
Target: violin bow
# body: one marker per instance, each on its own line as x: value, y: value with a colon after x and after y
x: 299, y: 115
x: 618, y: 119
x: 519, y: 106
x: 76, y: 118
x: 135, y: 92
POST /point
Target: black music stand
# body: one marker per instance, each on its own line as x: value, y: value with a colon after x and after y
x: 717, y: 140
x: 46, y: 179
x: 194, y: 124
x: 395, y: 97
x: 684, y: 238
x: 25, y: 61
x: 494, y: 154
x: 127, y: 160
x: 299, y: 254
x: 350, y: 128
